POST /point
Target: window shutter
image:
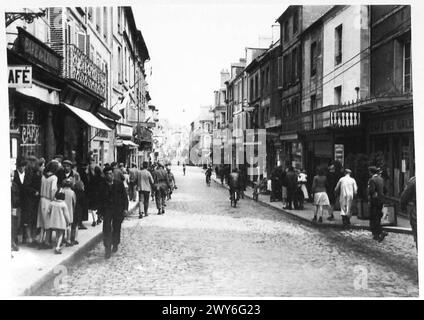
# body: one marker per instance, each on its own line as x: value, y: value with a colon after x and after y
x: 87, y: 45
x: 81, y: 41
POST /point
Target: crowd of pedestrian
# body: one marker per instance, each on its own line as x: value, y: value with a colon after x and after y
x: 331, y: 187
x: 50, y: 201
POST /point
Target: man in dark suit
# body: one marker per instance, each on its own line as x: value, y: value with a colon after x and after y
x: 113, y: 205
x: 23, y: 178
x: 376, y: 200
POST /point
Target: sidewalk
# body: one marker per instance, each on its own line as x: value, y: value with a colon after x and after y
x: 31, y: 268
x: 306, y: 215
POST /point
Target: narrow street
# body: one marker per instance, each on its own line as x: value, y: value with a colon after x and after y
x: 203, y: 247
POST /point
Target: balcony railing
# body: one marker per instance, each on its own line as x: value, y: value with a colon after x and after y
x: 78, y: 66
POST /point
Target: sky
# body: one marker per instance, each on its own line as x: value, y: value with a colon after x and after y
x: 190, y: 42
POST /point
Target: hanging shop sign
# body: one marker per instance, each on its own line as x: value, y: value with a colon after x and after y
x: 339, y: 153
x: 20, y: 76
x: 403, y: 123
x: 30, y: 134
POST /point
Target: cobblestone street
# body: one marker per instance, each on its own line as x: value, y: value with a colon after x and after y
x: 203, y: 247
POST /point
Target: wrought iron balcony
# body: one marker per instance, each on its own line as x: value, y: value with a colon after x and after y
x: 79, y: 67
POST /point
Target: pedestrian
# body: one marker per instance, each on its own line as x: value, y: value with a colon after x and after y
x: 144, y: 180
x: 302, y: 179
x: 47, y: 195
x: 59, y: 219
x: 132, y: 184
x: 299, y: 197
x: 34, y: 197
x: 184, y: 168
x: 117, y: 171
x: 171, y: 180
x: 332, y: 180
x: 16, y: 212
x: 291, y: 180
x: 67, y: 173
x: 70, y: 200
x: 126, y: 180
x: 92, y: 191
x: 113, y: 205
x: 27, y: 193
x: 276, y: 184
x: 234, y: 183
x: 320, y: 195
x: 376, y: 201
x: 80, y: 192
x: 80, y: 212
x: 347, y: 189
x: 408, y: 203
x: 208, y: 174
x: 161, y: 185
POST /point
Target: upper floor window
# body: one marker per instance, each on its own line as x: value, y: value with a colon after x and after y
x: 286, y: 30
x: 295, y: 65
x: 280, y: 72
x: 105, y: 22
x: 119, y: 19
x: 338, y: 44
x: 313, y: 58
x: 295, y: 22
x: 407, y: 75
x: 98, y: 18
x: 338, y: 95
x: 313, y: 102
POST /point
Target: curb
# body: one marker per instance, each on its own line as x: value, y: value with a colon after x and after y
x: 67, y: 262
x: 391, y: 229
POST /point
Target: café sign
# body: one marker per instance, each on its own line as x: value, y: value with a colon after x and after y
x: 30, y: 135
x: 20, y: 76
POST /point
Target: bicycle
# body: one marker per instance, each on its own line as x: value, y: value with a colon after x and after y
x: 234, y: 198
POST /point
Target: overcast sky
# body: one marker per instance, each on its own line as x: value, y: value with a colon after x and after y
x: 190, y: 42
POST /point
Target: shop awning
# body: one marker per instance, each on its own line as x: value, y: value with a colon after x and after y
x: 129, y: 143
x: 39, y: 92
x: 88, y: 117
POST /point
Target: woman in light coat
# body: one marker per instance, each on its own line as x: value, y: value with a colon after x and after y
x: 47, y: 194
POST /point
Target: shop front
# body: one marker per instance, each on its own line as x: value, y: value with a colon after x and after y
x: 126, y: 150
x: 391, y: 145
x: 292, y: 151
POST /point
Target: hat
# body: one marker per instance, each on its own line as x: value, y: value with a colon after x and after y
x: 32, y: 158
x: 67, y: 162
x: 373, y: 169
x: 348, y: 171
x: 332, y: 167
x: 107, y: 169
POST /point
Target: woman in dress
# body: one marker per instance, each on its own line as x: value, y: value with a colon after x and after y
x: 47, y: 193
x: 319, y: 191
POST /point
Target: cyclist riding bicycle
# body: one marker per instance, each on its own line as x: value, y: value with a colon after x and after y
x: 234, y: 184
x: 208, y: 174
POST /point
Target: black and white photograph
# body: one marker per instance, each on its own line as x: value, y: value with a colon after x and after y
x: 210, y: 149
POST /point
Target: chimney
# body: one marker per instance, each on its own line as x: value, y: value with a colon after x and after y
x: 225, y: 76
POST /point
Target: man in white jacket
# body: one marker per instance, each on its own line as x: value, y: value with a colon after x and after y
x: 347, y: 189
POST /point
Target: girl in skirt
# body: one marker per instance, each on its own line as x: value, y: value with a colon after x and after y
x: 70, y: 200
x: 59, y: 219
x: 320, y: 195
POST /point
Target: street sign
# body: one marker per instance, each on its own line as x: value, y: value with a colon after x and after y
x: 20, y: 76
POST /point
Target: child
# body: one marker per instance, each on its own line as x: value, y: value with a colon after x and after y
x: 59, y: 219
x: 70, y: 200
